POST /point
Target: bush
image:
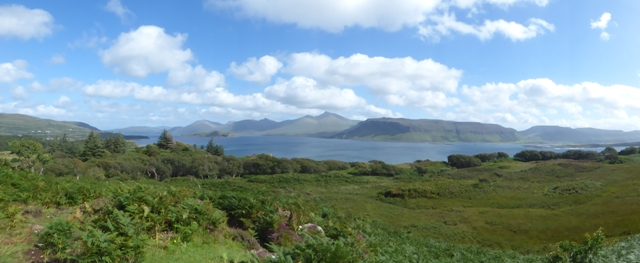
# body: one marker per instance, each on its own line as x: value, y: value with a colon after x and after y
x: 528, y: 156
x: 461, y: 161
x: 629, y: 151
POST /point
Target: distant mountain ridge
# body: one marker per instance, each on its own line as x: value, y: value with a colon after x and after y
x: 557, y: 134
x: 330, y: 125
x: 425, y: 130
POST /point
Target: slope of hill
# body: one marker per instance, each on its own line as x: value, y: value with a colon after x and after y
x: 557, y: 134
x: 392, y: 129
x: 137, y: 130
x: 201, y: 126
x: 311, y: 126
x: 18, y: 124
x: 248, y: 127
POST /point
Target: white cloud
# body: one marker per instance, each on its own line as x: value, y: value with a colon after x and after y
x: 63, y: 101
x: 256, y: 70
x: 333, y: 15
x: 21, y: 22
x: 116, y: 7
x: 400, y: 81
x: 447, y: 24
x: 57, y: 59
x: 200, y: 78
x: 542, y: 101
x: 603, y: 22
x: 16, y: 70
x: 146, y: 50
x: 306, y: 93
x: 111, y: 88
x: 471, y: 4
x: 42, y: 110
x: 19, y: 93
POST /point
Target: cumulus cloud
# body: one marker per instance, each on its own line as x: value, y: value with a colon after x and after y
x: 400, y: 81
x: 116, y: 7
x: 447, y: 24
x: 24, y: 23
x: 62, y: 102
x: 303, y: 92
x: 256, y: 70
x: 198, y: 77
x: 540, y: 101
x: 16, y: 70
x: 333, y: 15
x: 146, y: 50
x: 111, y: 88
x: 57, y: 59
x: 602, y: 24
x: 90, y: 39
x: 336, y: 15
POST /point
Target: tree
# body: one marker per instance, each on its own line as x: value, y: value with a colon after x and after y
x: 28, y: 152
x: 93, y: 147
x: 628, y: 151
x: 528, y: 156
x: 610, y: 155
x: 165, y: 141
x: 502, y: 155
x: 214, y: 149
x: 463, y: 161
x: 114, y: 143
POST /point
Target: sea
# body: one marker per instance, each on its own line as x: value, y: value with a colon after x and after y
x: 355, y: 150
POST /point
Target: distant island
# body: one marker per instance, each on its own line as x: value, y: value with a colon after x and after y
x: 212, y: 134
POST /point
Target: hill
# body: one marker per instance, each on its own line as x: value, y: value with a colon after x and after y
x: 136, y: 130
x: 19, y: 124
x: 557, y: 134
x: 313, y: 126
x: 392, y: 129
x: 201, y: 126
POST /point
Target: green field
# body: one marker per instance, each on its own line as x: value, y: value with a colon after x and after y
x: 473, y: 215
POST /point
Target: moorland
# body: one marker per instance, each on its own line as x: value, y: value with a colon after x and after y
x: 96, y: 201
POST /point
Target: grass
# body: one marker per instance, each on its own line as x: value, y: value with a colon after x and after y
x: 450, y: 215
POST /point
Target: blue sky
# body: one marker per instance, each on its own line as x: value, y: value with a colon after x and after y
x: 518, y: 63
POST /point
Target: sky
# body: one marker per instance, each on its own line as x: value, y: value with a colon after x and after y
x: 517, y: 63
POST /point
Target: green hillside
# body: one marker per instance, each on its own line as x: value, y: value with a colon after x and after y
x: 309, y: 125
x: 391, y: 129
x: 18, y: 124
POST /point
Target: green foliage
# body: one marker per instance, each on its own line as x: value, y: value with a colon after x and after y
x: 165, y: 141
x: 629, y: 151
x: 30, y: 153
x: 214, y: 149
x: 610, y: 155
x: 571, y: 252
x: 115, y: 143
x: 93, y: 147
x: 463, y: 161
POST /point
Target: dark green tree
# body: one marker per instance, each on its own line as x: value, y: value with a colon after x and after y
x: 93, y: 147
x: 610, y: 155
x: 28, y: 151
x: 214, y: 149
x: 114, y: 143
x: 165, y: 141
x: 629, y: 151
x: 463, y: 161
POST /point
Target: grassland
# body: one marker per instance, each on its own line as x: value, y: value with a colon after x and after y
x: 466, y: 215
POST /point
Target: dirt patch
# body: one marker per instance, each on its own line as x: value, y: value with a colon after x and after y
x: 34, y: 255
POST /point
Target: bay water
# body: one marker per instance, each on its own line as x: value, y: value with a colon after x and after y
x: 351, y: 150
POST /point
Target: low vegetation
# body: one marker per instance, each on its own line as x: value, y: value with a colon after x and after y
x: 105, y: 201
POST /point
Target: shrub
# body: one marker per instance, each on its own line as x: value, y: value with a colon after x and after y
x: 629, y: 151
x: 463, y: 161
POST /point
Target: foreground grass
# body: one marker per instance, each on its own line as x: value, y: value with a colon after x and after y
x: 469, y: 215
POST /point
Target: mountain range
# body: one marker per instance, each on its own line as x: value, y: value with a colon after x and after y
x: 330, y: 125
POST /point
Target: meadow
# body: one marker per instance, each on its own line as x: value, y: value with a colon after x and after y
x: 502, y: 211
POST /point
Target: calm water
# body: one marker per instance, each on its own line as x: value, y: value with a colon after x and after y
x: 349, y: 150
